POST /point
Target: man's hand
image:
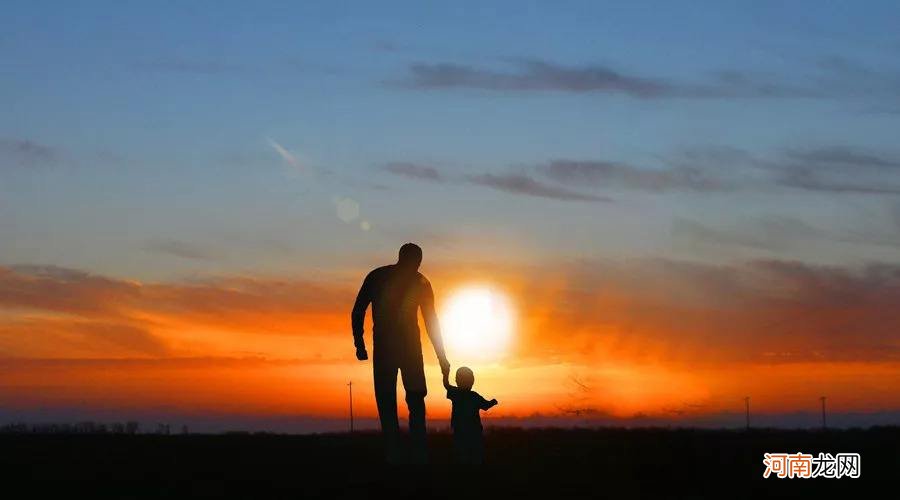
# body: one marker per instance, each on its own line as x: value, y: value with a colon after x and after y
x: 361, y: 354
x: 445, y: 367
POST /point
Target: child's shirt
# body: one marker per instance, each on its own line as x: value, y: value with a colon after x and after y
x: 466, y: 409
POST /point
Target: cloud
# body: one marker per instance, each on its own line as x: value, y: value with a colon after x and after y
x: 180, y: 362
x: 615, y: 174
x: 514, y: 183
x: 806, y: 178
x: 233, y: 304
x: 26, y: 153
x: 651, y: 309
x: 739, y: 84
x: 129, y: 337
x: 832, y: 78
x: 179, y: 248
x: 699, y: 314
x: 62, y: 290
x: 53, y: 309
x: 534, y: 75
x: 716, y: 156
x: 834, y: 170
x: 525, y: 185
x: 645, y: 332
x: 843, y: 156
x: 581, y: 174
x: 414, y: 171
x: 840, y: 76
x: 51, y: 337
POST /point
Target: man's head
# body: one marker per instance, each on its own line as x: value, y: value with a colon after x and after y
x: 465, y: 379
x: 410, y: 257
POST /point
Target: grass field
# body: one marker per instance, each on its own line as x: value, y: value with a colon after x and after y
x: 533, y: 463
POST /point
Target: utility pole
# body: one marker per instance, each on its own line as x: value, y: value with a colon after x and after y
x: 350, y: 385
x: 823, y: 412
x: 747, y: 402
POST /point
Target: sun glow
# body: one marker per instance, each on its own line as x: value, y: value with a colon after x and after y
x: 477, y: 323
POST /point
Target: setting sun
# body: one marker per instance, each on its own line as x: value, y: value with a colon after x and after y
x: 477, y: 323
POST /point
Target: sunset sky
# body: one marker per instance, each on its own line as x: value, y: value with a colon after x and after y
x: 682, y: 206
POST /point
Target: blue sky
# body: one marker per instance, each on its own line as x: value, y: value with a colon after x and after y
x: 139, y: 139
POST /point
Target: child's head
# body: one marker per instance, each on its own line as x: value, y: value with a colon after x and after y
x: 465, y: 379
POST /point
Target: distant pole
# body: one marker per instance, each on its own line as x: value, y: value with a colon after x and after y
x: 747, y: 402
x: 824, y: 426
x: 350, y: 385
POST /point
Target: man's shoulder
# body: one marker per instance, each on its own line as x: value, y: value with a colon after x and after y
x: 379, y: 272
x: 423, y: 280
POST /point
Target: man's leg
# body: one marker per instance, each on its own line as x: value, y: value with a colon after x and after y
x: 413, y: 375
x: 385, y: 375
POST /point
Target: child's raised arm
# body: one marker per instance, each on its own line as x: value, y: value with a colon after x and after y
x: 447, y: 385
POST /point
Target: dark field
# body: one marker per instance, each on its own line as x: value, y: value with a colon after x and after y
x: 547, y: 463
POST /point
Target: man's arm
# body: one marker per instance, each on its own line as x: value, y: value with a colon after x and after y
x: 358, y: 317
x: 433, y: 326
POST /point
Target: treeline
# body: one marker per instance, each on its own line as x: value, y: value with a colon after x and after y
x: 88, y: 427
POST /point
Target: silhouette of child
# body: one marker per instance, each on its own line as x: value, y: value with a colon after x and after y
x: 465, y: 419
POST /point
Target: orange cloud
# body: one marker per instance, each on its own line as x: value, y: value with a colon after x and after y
x: 614, y: 338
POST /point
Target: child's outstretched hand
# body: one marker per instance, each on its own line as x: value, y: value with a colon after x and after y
x: 494, y: 402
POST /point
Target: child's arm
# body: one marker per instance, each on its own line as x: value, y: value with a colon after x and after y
x: 447, y: 385
x: 484, y: 404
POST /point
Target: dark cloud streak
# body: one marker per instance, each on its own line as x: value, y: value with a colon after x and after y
x: 26, y: 153
x: 534, y: 75
x: 516, y: 183
x: 615, y: 174
x: 513, y: 183
x: 414, y: 171
x: 805, y: 178
x: 834, y: 170
x: 841, y: 155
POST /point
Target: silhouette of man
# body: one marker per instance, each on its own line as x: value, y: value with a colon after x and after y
x: 396, y: 293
